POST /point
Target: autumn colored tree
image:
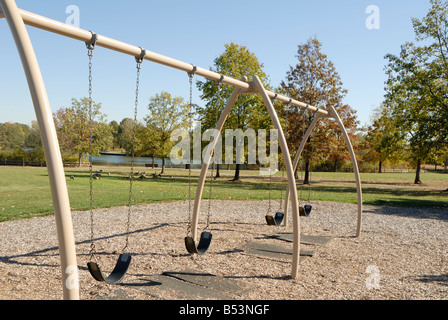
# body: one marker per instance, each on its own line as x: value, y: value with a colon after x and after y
x: 315, y: 81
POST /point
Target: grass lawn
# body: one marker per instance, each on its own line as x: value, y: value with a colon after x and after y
x: 25, y: 191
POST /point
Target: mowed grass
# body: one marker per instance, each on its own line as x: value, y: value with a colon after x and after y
x: 25, y: 192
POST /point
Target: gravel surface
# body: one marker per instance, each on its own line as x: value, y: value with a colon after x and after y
x: 402, y: 253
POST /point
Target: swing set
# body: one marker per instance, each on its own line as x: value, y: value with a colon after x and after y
x: 18, y: 19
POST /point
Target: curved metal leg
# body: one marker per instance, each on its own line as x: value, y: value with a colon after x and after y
x: 290, y: 173
x: 52, y: 152
x: 355, y: 168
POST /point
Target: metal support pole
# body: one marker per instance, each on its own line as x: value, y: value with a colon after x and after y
x: 335, y: 115
x: 211, y: 147
x: 51, y: 146
x: 296, y: 161
x: 290, y: 173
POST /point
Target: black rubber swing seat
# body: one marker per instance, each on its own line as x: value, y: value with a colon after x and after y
x: 202, y: 247
x: 305, y: 211
x: 275, y: 221
x: 117, y: 275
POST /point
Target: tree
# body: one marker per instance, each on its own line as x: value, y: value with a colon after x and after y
x: 166, y: 114
x: 249, y: 111
x: 417, y: 86
x: 147, y: 141
x: 73, y: 128
x: 114, y: 128
x: 125, y: 134
x: 384, y: 140
x: 13, y: 135
x: 315, y: 81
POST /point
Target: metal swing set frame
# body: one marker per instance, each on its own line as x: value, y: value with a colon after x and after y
x: 18, y: 19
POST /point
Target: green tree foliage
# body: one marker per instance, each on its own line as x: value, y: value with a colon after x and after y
x: 73, y: 128
x: 417, y: 87
x: 13, y: 135
x: 114, y: 128
x: 249, y: 111
x: 166, y: 114
x: 21, y: 142
x: 125, y: 134
x: 384, y: 141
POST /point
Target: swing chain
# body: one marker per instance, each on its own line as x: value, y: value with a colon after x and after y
x: 90, y: 47
x: 270, y: 170
x: 270, y: 189
x: 286, y: 137
x: 311, y: 156
x: 139, y: 61
x: 300, y: 161
x: 190, y: 76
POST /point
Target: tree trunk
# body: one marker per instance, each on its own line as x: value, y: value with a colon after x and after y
x: 335, y: 165
x: 417, y: 172
x: 163, y: 166
x: 217, y: 171
x: 380, y: 167
x: 306, y: 180
x: 79, y: 160
x: 237, y: 172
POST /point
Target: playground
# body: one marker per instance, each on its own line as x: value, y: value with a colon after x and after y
x: 406, y: 245
x: 158, y: 238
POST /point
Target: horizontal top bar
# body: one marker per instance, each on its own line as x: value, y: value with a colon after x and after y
x: 66, y: 30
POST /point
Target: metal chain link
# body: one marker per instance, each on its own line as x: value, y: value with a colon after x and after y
x: 270, y: 171
x: 300, y: 161
x: 191, y: 76
x: 131, y: 179
x: 283, y: 172
x: 270, y: 190
x: 311, y: 156
x: 90, y: 48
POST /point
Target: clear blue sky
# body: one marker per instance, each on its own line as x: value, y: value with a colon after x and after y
x: 195, y: 32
